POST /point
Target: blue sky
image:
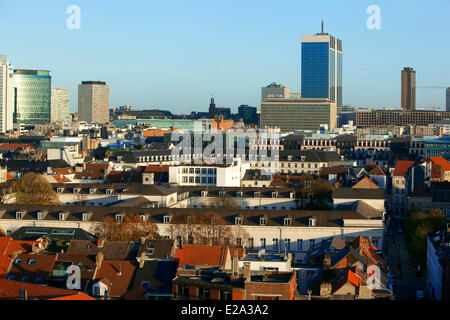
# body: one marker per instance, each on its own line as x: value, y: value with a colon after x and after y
x: 174, y: 54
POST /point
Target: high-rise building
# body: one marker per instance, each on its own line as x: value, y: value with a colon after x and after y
x: 93, y: 102
x: 321, y: 72
x: 248, y: 114
x: 60, y: 105
x: 32, y: 96
x: 408, y: 89
x: 447, y: 100
x: 6, y: 95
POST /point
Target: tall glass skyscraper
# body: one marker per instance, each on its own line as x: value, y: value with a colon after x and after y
x: 32, y: 96
x: 322, y: 68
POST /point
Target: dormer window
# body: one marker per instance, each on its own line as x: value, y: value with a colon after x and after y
x: 167, y: 219
x: 302, y: 158
x: 85, y: 216
x: 92, y: 190
x: 257, y: 194
x: 59, y: 190
x: 144, y: 217
x: 274, y: 194
x: 119, y: 217
x: 62, y: 215
x: 289, y: 158
x: 76, y: 190
x: 239, y: 194
x: 109, y: 191
x: 20, y: 214
x: 221, y: 193
x: 204, y: 193
x: 238, y: 220
x: 292, y: 195
x: 262, y: 221
x: 41, y: 215
x: 312, y: 222
x: 287, y: 221
x: 150, y: 249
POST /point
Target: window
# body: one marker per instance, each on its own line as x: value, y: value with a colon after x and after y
x: 238, y: 220
x: 167, y: 219
x: 275, y: 244
x: 40, y: 215
x: 225, y: 295
x: 32, y: 261
x: 299, y: 245
x: 18, y: 261
x: 145, y: 284
x: 257, y: 194
x: 19, y: 214
x: 110, y: 191
x: 203, y: 293
x: 250, y: 243
x: 38, y: 280
x: 239, y: 194
x: 287, y: 244
x: 262, y: 221
x: 62, y: 216
x: 119, y: 217
x: 25, y: 279
x: 312, y: 222
x: 85, y: 217
x: 221, y: 193
x: 274, y: 194
x: 60, y: 190
x: 204, y: 193
x: 239, y: 242
x: 287, y: 221
x: 263, y: 243
x: 150, y: 249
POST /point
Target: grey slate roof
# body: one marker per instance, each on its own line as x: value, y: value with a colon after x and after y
x: 357, y: 193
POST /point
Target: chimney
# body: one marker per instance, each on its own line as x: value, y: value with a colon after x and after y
x: 247, y: 271
x: 325, y: 289
x: 100, y: 242
x: 120, y: 270
x: 327, y: 262
x: 106, y: 295
x: 142, y: 240
x: 98, y: 263
x: 235, y: 264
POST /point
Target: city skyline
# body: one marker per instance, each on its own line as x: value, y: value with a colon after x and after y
x: 216, y: 59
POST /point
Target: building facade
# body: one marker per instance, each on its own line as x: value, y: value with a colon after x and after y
x: 32, y: 96
x: 297, y: 114
x: 6, y: 95
x: 376, y: 118
x: 93, y: 101
x: 60, y: 105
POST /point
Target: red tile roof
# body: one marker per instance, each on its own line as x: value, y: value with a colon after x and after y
x: 5, y: 261
x: 8, y: 245
x: 109, y: 275
x: 9, y: 290
x: 402, y: 167
x: 198, y: 255
x: 9, y: 177
x: 42, y: 266
x: 157, y: 168
x: 61, y: 179
x: 64, y: 171
x: 444, y: 163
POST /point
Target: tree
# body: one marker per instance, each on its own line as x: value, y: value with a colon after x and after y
x: 223, y: 202
x: 131, y: 228
x: 417, y: 226
x: 206, y: 229
x: 5, y: 192
x: 34, y: 189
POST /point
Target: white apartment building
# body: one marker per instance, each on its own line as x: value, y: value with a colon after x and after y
x: 220, y: 175
x: 6, y: 95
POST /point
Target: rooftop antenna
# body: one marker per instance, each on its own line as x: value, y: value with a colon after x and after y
x: 322, y: 25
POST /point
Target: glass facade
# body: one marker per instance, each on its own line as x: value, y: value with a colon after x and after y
x: 322, y: 70
x: 32, y: 96
x: 315, y: 70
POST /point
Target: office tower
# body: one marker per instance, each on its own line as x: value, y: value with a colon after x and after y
x: 32, y: 96
x: 408, y: 89
x: 6, y: 95
x: 60, y: 105
x: 291, y: 114
x: 447, y: 102
x: 93, y: 102
x: 322, y: 68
